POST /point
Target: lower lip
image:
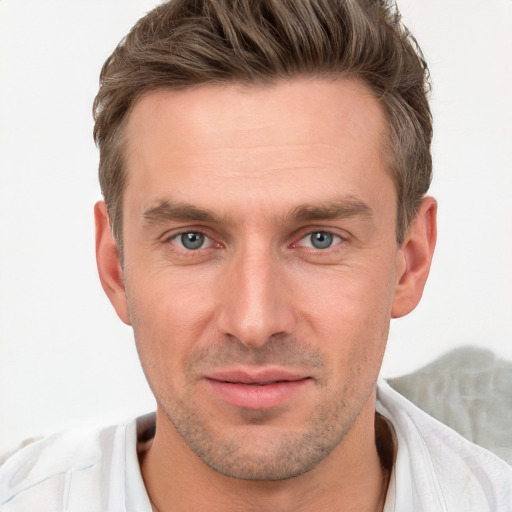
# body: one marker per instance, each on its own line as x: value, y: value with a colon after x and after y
x: 249, y: 396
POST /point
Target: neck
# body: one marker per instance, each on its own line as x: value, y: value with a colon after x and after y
x: 351, y: 478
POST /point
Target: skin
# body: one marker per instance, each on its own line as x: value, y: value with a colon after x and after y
x: 257, y: 171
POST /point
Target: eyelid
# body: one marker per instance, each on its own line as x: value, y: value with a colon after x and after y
x: 174, y: 234
x: 337, y: 239
x: 171, y: 235
x: 306, y: 233
x: 176, y: 240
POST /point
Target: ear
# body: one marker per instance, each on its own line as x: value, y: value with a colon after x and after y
x: 415, y: 258
x: 109, y: 264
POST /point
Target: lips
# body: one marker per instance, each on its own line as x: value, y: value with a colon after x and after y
x: 257, y: 389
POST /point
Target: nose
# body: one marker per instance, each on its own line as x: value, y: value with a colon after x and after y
x: 254, y: 301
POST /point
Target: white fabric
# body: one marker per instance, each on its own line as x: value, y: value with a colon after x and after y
x: 436, y: 469
x: 469, y: 389
x: 76, y: 471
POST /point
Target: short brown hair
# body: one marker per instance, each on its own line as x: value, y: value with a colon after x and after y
x: 187, y: 43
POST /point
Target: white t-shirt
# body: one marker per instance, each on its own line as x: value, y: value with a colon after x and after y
x: 436, y: 470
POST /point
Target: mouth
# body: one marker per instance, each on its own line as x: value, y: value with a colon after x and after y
x: 264, y: 389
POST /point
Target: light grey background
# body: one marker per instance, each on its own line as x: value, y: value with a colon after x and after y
x: 64, y: 355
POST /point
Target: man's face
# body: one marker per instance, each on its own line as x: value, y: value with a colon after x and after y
x: 260, y: 267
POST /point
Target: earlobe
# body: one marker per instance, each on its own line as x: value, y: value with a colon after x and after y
x: 109, y: 264
x: 416, y: 256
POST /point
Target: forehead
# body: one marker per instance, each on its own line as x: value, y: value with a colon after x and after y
x: 294, y: 140
x: 341, y: 106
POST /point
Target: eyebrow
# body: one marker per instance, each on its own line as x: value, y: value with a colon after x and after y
x: 166, y: 211
x: 345, y: 207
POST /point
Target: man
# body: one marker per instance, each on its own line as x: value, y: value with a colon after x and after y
x: 264, y: 167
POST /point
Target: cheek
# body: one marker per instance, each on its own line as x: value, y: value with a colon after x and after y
x: 170, y: 299
x: 349, y: 313
x: 358, y: 297
x: 168, y: 321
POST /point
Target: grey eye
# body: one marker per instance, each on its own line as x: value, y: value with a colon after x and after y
x: 321, y: 239
x: 192, y: 240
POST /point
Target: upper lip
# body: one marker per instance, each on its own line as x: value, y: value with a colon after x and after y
x: 255, y: 376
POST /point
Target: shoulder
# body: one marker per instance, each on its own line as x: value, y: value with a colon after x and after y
x: 41, y: 474
x: 441, y: 467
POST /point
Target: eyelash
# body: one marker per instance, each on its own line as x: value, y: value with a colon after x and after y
x: 338, y: 239
x: 176, y: 236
